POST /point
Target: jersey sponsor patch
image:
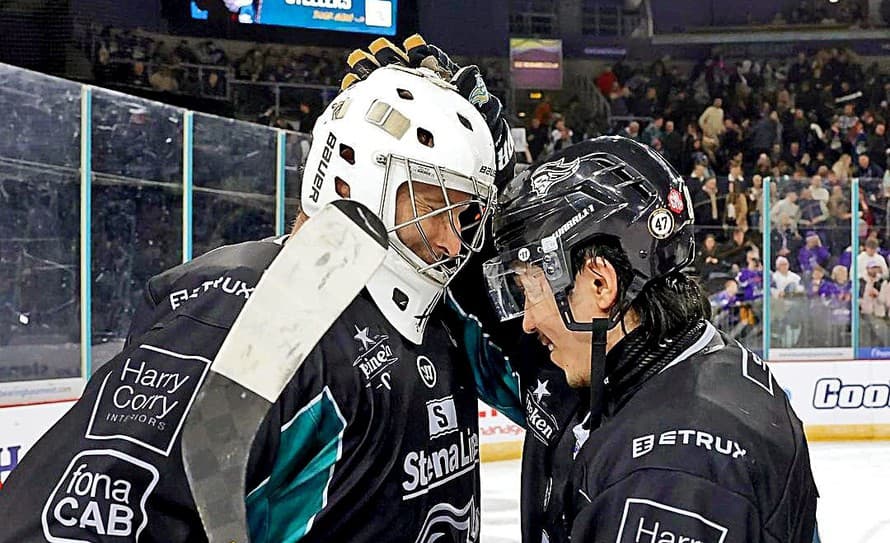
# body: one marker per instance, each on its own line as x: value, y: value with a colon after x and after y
x: 375, y: 356
x: 145, y: 401
x: 102, y: 495
x: 442, y: 416
x: 643, y: 445
x: 426, y: 469
x: 228, y: 285
x: 539, y: 421
x: 648, y: 521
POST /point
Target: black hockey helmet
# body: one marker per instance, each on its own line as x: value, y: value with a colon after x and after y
x: 605, y: 186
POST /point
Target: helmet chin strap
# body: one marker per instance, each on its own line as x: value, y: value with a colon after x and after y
x: 598, y: 370
x: 598, y: 328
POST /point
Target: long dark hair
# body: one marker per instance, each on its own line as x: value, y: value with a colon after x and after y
x: 666, y: 305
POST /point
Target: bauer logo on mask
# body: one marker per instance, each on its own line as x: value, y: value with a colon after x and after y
x: 101, y: 496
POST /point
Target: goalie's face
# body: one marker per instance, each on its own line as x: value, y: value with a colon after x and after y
x: 432, y: 219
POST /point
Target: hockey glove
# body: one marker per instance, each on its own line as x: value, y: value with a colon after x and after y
x: 468, y: 81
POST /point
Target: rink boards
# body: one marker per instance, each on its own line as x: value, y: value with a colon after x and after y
x: 837, y: 400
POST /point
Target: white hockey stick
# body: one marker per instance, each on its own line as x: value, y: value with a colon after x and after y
x: 312, y: 280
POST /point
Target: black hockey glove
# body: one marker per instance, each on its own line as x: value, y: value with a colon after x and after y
x: 468, y: 81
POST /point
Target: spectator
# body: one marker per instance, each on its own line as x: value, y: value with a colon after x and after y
x: 812, y: 254
x: 786, y: 206
x: 708, y: 260
x: 871, y: 255
x: 537, y: 137
x: 818, y: 286
x: 784, y: 281
x: 561, y: 136
x: 818, y: 192
x: 840, y: 214
x: 878, y: 144
x: 841, y: 288
x: 813, y: 215
x: 848, y: 119
x: 606, y: 81
x: 874, y: 289
x: 711, y: 123
x: 653, y: 131
x: 843, y: 168
x: 736, y: 207
x: 764, y: 134
x: 735, y: 250
x: 727, y: 298
x: 708, y: 207
x: 648, y: 106
x: 865, y: 169
x: 632, y: 131
x: 793, y: 155
x: 673, y: 144
x: 755, y: 201
x: 750, y: 279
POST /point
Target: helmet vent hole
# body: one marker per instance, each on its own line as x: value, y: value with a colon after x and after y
x: 425, y: 137
x: 464, y: 121
x: 342, y: 188
x: 347, y: 153
x: 405, y: 94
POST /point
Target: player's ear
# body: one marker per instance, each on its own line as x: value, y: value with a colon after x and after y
x: 601, y: 278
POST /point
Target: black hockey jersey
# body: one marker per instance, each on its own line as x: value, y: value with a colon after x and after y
x: 375, y: 439
x: 708, y: 449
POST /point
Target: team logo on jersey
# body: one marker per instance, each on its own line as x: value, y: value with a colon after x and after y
x: 442, y: 416
x: 450, y: 523
x: 648, y: 521
x: 374, y: 357
x: 102, y: 495
x: 146, y: 399
x: 643, y: 445
x: 427, y: 371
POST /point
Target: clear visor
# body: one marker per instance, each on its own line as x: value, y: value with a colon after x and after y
x: 465, y: 218
x: 521, y: 279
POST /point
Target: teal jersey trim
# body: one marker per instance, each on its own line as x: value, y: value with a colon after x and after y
x: 496, y: 382
x: 283, y: 507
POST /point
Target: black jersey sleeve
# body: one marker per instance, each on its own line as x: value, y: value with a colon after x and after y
x: 655, y: 505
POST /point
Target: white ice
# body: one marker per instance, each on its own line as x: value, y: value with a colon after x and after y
x: 853, y: 480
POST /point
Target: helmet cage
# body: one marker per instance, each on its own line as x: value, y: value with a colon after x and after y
x: 466, y: 218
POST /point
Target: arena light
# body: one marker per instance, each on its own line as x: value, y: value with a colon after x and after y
x: 535, y: 95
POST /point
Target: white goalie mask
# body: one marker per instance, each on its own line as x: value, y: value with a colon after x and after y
x: 399, y: 127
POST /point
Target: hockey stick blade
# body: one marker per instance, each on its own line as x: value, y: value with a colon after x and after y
x: 310, y: 283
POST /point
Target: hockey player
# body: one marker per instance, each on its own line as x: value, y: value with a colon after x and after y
x: 687, y: 436
x: 375, y: 439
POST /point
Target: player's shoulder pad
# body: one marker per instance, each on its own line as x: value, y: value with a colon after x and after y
x: 213, y: 287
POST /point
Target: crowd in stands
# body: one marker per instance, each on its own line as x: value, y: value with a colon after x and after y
x: 303, y: 79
